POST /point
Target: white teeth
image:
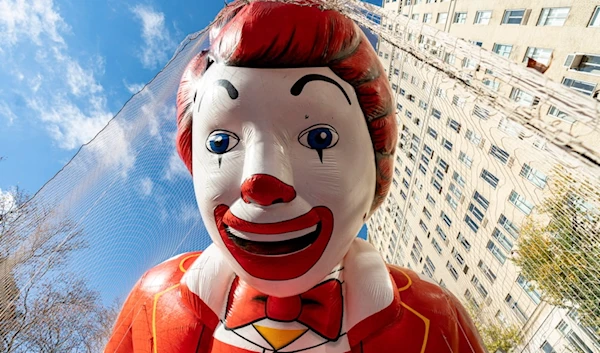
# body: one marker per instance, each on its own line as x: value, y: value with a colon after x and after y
x: 272, y: 237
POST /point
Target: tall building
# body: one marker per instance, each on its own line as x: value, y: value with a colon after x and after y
x: 466, y: 176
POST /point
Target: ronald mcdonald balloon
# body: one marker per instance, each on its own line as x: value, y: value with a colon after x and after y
x: 287, y: 124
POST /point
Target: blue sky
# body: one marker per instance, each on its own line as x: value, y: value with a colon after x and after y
x: 66, y: 68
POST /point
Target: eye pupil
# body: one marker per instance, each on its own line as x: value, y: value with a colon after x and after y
x: 219, y: 143
x: 320, y: 138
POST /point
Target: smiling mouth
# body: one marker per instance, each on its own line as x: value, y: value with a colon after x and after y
x: 275, y: 248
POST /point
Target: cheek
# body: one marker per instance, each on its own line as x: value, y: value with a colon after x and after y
x: 217, y: 184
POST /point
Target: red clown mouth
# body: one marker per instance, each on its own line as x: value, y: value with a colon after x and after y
x: 277, y: 260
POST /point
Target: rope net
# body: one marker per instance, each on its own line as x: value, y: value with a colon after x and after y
x: 493, y: 198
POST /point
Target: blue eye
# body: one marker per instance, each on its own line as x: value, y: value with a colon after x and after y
x: 221, y: 141
x: 319, y: 137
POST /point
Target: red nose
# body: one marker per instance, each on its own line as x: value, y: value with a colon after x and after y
x: 266, y: 190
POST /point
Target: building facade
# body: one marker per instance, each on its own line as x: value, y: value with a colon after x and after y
x: 465, y: 176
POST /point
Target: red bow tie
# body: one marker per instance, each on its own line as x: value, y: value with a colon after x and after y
x: 320, y: 309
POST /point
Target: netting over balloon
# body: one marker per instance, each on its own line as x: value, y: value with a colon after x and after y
x: 125, y: 202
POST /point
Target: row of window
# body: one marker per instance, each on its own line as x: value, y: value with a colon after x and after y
x: 549, y: 16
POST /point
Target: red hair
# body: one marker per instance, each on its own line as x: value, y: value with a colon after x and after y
x: 268, y: 34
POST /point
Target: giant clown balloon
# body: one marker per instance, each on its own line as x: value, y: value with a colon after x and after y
x: 287, y: 125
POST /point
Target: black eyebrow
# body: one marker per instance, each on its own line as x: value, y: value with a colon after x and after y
x: 299, y: 85
x: 232, y: 91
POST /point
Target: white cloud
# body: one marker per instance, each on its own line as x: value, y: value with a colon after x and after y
x: 146, y: 186
x: 36, y: 20
x: 189, y: 213
x: 176, y: 168
x: 158, y: 44
x: 68, y: 125
x: 7, y: 201
x: 133, y: 88
x: 81, y: 81
x: 7, y: 113
x: 113, y: 147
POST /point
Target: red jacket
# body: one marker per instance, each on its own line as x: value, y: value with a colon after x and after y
x: 424, y: 318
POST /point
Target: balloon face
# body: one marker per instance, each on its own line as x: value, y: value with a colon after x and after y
x: 283, y: 169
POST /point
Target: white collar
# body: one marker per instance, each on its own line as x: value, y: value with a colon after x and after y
x: 368, y: 286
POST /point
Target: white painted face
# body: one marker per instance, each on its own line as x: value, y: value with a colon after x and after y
x: 284, y: 172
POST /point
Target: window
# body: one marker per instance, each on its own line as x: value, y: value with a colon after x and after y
x: 481, y: 200
x: 423, y: 225
x: 427, y: 18
x: 471, y: 223
x: 422, y: 169
x: 476, y: 212
x: 513, y: 17
x: 397, y: 171
x: 405, y: 75
x: 463, y: 157
x: 492, y: 84
x: 422, y: 105
x: 458, y: 101
x: 430, y: 199
x: 455, y: 190
x: 502, y: 239
x: 458, y: 178
x: 460, y: 17
x: 509, y: 226
x: 394, y: 87
x: 482, y: 17
x: 529, y: 289
x: 436, y: 185
x: 553, y: 16
x: 489, y: 274
x: 500, y: 154
x: 476, y: 42
x: 432, y: 132
x: 523, y: 98
x: 490, y: 178
x: 595, y: 21
x: 386, y: 56
x: 583, y: 63
x: 495, y: 250
x: 402, y: 91
x: 436, y: 246
x: 447, y: 144
x: 464, y: 242
x: 512, y: 303
x: 436, y: 113
x: 426, y: 213
x: 414, y: 80
x: 442, y: 17
x: 441, y: 233
x: 396, y: 72
x: 547, y: 348
x: 399, y: 107
x: 454, y: 125
x: 586, y: 88
x: 451, y: 201
x: 405, y: 183
x: 408, y: 113
x: 474, y: 137
x: 408, y: 171
x: 440, y: 93
x: 502, y: 49
x: 428, y: 151
x: 449, y: 58
x: 536, y: 177
x: 480, y: 288
x: 541, y: 55
x: 446, y: 219
x: 458, y: 257
x: 415, y: 17
x: 520, y: 202
x: 452, y: 270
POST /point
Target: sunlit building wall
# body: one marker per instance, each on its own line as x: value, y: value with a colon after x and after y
x: 465, y: 177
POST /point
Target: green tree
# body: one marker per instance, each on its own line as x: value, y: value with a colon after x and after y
x: 559, y: 247
x: 496, y: 336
